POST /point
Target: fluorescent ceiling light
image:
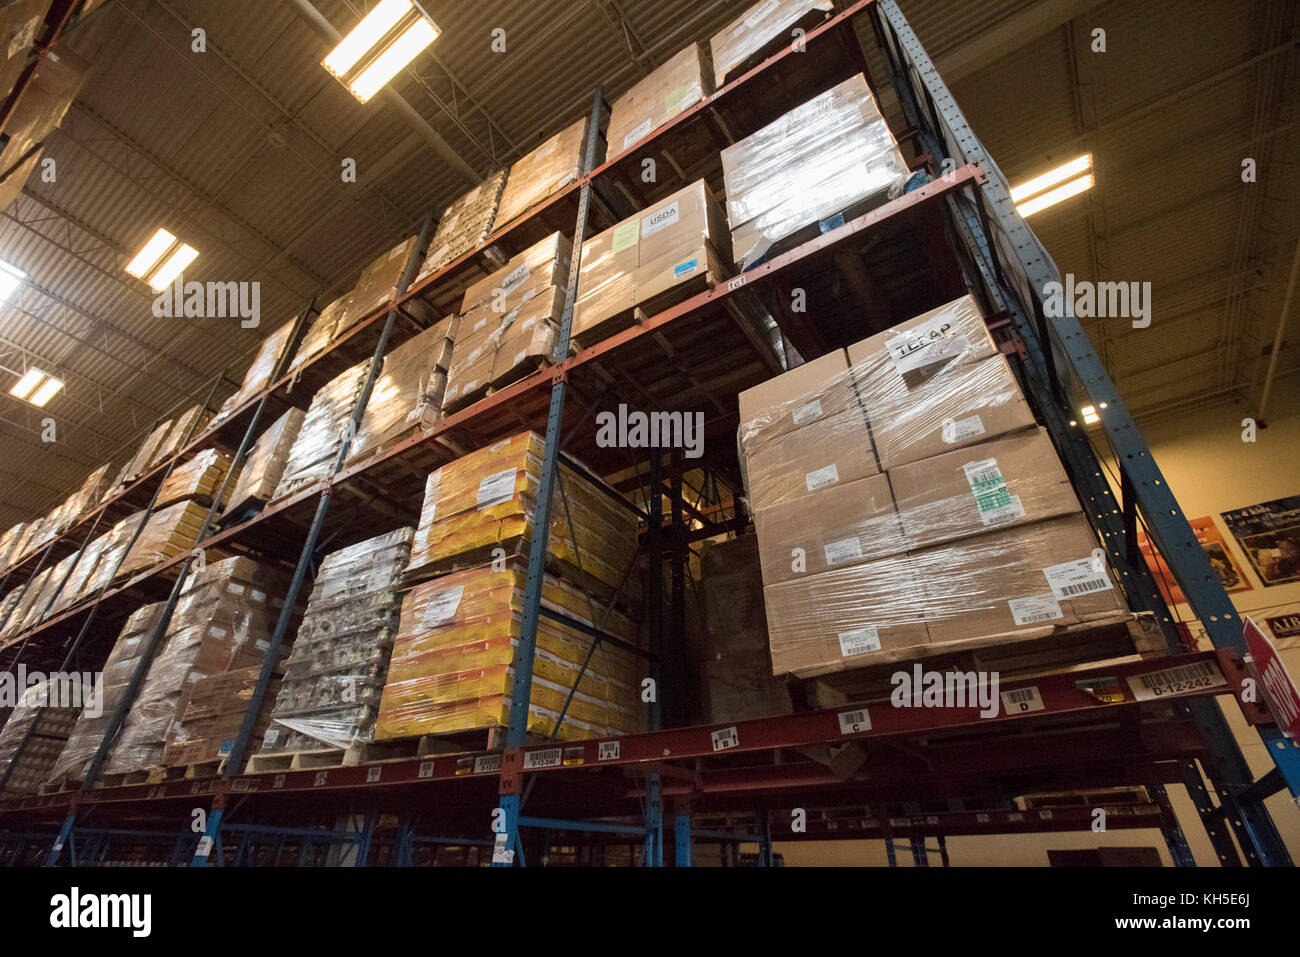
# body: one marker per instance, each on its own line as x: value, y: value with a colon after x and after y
x: 1052, y: 197
x: 1090, y: 415
x: 386, y: 40
x: 1080, y: 164
x: 36, y: 386
x: 151, y: 255
x: 373, y: 28
x: 11, y: 277
x: 173, y: 267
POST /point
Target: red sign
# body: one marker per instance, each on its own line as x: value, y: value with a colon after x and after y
x: 1279, y: 690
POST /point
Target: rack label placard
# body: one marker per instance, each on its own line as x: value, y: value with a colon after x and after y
x: 549, y: 758
x: 726, y: 738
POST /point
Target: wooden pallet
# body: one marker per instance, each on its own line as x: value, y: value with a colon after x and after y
x: 362, y: 752
x: 132, y: 778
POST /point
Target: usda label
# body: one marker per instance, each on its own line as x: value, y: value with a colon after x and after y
x: 726, y: 738
x: 550, y: 758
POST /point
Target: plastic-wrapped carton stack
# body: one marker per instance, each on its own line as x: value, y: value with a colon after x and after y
x: 200, y: 479
x: 211, y: 713
x: 333, y: 678
x: 184, y: 429
x: 57, y: 79
x: 76, y: 588
x: 117, y: 540
x: 26, y: 602
x: 543, y: 172
x: 673, y: 88
x: 376, y: 285
x: 486, y: 501
x: 10, y: 542
x: 89, y: 729
x: 222, y: 622
x: 464, y: 225
x: 678, y: 245
x: 508, y: 321
x: 833, y: 155
x: 762, y: 29
x: 264, y: 465
x: 321, y: 434
x: 905, y: 504
x: 259, y: 373
x: 33, y: 738
x: 453, y: 661
x: 168, y: 532
x: 409, y: 390
x: 320, y: 333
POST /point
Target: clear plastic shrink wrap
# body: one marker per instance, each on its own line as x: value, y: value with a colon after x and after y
x: 222, y: 622
x: 487, y: 500
x: 408, y: 392
x: 376, y: 285
x: 465, y: 224
x: 681, y: 82
x: 768, y: 23
x: 23, y: 607
x: 200, y: 478
x: 321, y: 434
x: 89, y: 730
x: 264, y: 465
x: 76, y: 588
x: 111, y: 557
x: 966, y: 530
x: 545, y: 171
x: 332, y: 680
x: 211, y: 712
x: 320, y: 333
x: 38, y: 610
x: 168, y: 532
x: 185, y: 429
x: 10, y: 541
x: 831, y: 153
x: 454, y: 655
x: 259, y: 373
x: 33, y: 738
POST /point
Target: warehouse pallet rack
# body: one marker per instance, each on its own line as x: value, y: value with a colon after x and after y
x: 929, y: 773
x: 57, y: 19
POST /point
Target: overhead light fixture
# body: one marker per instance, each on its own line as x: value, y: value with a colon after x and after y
x: 36, y: 386
x: 386, y: 40
x: 1090, y: 416
x: 1047, y: 190
x: 163, y: 258
x: 11, y: 277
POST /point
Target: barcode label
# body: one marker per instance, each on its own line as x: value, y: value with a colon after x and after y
x: 425, y: 770
x: 806, y: 412
x: 1035, y: 609
x: 278, y: 782
x: 845, y: 550
x: 1177, y: 680
x: 373, y: 775
x: 1080, y: 577
x: 320, y: 779
x: 821, y: 478
x: 726, y: 738
x: 851, y: 722
x: 608, y: 751
x: 550, y: 758
x: 1022, y: 700
x: 859, y: 641
x: 499, y: 853
x: 496, y: 489
x: 486, y: 763
x: 962, y: 429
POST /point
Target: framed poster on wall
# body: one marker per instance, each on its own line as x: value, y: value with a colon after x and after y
x: 1221, y: 558
x: 1269, y: 534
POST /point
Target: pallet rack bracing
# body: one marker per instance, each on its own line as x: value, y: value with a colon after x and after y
x: 541, y: 790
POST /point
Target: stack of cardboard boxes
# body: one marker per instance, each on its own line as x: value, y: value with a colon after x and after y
x: 211, y: 713
x: 829, y: 159
x: 464, y: 225
x: 508, y: 321
x: 762, y: 30
x: 333, y: 678
x: 317, y: 444
x: 34, y: 737
x: 168, y: 532
x: 55, y: 83
x: 259, y: 373
x: 673, y: 88
x: 905, y: 504
x: 264, y: 465
x: 676, y: 247
x: 543, y: 172
x: 200, y: 478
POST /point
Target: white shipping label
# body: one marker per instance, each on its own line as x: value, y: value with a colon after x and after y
x: 1022, y: 700
x: 859, y: 641
x: 807, y: 412
x: 759, y: 15
x: 638, y: 134
x: 962, y: 429
x: 500, y: 855
x: 1035, y: 608
x: 496, y: 489
x: 845, y: 550
x: 1082, y: 576
x: 661, y: 219
x: 1171, y: 681
x: 442, y: 607
x: 515, y: 279
x: 821, y: 478
x: 929, y: 343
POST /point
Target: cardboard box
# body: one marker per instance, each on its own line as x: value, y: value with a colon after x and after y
x: 264, y: 465
x: 1012, y: 480
x: 376, y: 285
x: 831, y: 452
x: 53, y: 87
x: 764, y: 27
x: 846, y: 618
x: 529, y: 345
x: 465, y: 224
x: 21, y: 23
x: 543, y: 172
x: 805, y: 395
x: 842, y: 525
x: 742, y: 687
x: 320, y: 333
x: 1018, y: 583
x: 607, y: 276
x: 676, y: 86
x: 544, y: 264
x: 830, y: 154
x: 199, y: 478
x: 912, y: 352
